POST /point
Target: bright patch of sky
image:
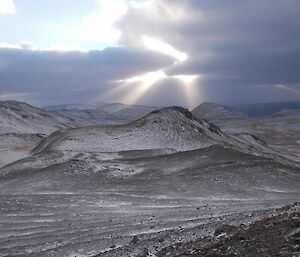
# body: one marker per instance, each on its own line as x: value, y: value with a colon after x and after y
x: 84, y: 24
x: 7, y: 7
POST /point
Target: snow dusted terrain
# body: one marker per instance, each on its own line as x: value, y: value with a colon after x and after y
x: 172, y: 127
x: 22, y: 126
x: 211, y: 111
x: 280, y: 130
x: 135, y: 189
x: 17, y: 117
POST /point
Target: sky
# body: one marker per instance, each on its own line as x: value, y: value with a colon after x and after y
x: 151, y: 52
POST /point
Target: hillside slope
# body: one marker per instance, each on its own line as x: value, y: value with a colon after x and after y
x: 22, y: 126
x: 281, y: 130
x: 101, y: 203
x: 17, y: 117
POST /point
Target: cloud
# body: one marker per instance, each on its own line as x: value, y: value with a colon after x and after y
x: 22, y: 45
x: 236, y: 46
x: 99, y: 25
x: 71, y: 76
x: 7, y: 7
x: 27, y: 45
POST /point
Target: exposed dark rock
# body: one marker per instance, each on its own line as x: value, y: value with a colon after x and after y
x: 273, y: 236
x: 225, y: 229
x: 134, y: 240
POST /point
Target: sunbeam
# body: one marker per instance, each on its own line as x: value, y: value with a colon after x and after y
x: 132, y: 89
x: 187, y: 79
x: 143, y: 84
x: 190, y: 87
x: 148, y: 79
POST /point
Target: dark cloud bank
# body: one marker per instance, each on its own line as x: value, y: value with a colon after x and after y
x: 58, y: 77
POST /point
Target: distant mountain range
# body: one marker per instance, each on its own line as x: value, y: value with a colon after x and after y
x: 101, y: 113
x: 211, y: 112
x: 21, y: 118
x: 261, y: 109
x: 280, y: 129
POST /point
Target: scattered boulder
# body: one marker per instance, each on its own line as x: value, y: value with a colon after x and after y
x: 134, y: 240
x: 226, y: 230
x: 143, y: 253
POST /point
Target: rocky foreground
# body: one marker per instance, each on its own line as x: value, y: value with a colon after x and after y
x: 277, y: 235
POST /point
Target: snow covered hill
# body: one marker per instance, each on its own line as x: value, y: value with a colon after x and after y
x: 22, y: 126
x: 172, y: 127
